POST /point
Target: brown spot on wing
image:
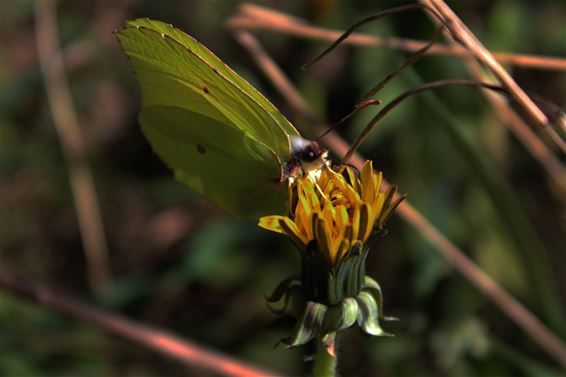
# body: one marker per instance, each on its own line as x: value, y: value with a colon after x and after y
x: 201, y: 149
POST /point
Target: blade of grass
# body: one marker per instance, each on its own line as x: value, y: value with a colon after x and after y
x: 506, y: 205
x: 254, y: 17
x: 157, y: 340
x: 73, y: 144
x: 462, y: 34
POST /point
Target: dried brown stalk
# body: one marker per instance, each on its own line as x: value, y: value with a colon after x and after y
x: 456, y: 257
x: 254, y: 17
x: 184, y: 352
x: 460, y: 33
x: 73, y: 145
x: 550, y: 163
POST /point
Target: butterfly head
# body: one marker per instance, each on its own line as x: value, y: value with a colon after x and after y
x: 306, y: 156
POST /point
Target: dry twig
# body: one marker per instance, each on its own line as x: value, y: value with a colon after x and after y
x: 520, y: 129
x: 456, y: 257
x: 460, y: 33
x: 73, y: 145
x: 254, y: 17
x: 185, y: 352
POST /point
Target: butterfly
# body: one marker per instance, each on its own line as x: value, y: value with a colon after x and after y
x: 219, y: 135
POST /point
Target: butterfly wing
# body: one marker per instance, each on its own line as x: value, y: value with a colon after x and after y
x: 192, y: 102
x: 221, y: 163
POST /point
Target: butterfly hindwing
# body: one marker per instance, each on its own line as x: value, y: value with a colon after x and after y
x: 218, y: 162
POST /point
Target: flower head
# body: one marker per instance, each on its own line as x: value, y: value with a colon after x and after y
x: 336, y: 210
x: 334, y: 215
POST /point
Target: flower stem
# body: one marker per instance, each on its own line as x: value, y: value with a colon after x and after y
x: 325, y: 358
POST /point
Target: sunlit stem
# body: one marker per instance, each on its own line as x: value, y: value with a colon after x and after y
x: 326, y: 358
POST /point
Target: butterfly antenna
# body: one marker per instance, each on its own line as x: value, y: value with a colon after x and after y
x: 357, y: 108
x: 428, y: 86
x: 410, y: 60
x: 368, y: 19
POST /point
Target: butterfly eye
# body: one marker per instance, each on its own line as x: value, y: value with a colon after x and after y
x: 309, y: 155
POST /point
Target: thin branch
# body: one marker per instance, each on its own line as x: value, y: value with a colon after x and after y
x: 254, y: 17
x: 549, y: 162
x: 173, y: 347
x: 456, y: 257
x: 73, y: 145
x: 371, y: 19
x: 460, y: 33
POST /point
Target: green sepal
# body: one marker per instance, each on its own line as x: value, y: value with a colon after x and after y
x: 329, y: 284
x: 368, y: 316
x: 286, y: 289
x: 308, y: 325
x: 371, y: 286
x: 341, y: 316
x: 282, y: 288
x: 293, y: 302
x: 351, y: 270
x: 297, y: 302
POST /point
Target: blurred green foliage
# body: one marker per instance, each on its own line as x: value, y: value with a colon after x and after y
x: 181, y: 264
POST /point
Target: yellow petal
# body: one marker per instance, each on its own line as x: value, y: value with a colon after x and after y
x: 328, y: 212
x: 367, y: 171
x: 304, y: 211
x: 286, y: 226
x: 342, y: 219
x: 349, y: 233
x: 342, y: 250
x: 364, y: 222
x: 328, y: 189
x: 368, y: 182
x: 377, y: 204
x: 310, y: 195
x: 346, y: 189
x: 378, y: 181
x: 345, y: 244
x: 322, y: 236
x: 271, y: 223
x: 323, y: 179
x: 353, y: 178
x: 302, y: 219
x: 355, y: 222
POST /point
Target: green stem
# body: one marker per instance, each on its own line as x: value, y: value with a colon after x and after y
x: 325, y: 358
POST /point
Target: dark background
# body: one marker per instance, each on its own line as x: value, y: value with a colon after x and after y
x: 179, y: 263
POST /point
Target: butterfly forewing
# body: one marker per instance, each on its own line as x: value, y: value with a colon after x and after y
x: 155, y: 46
x: 220, y: 135
x: 201, y: 50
